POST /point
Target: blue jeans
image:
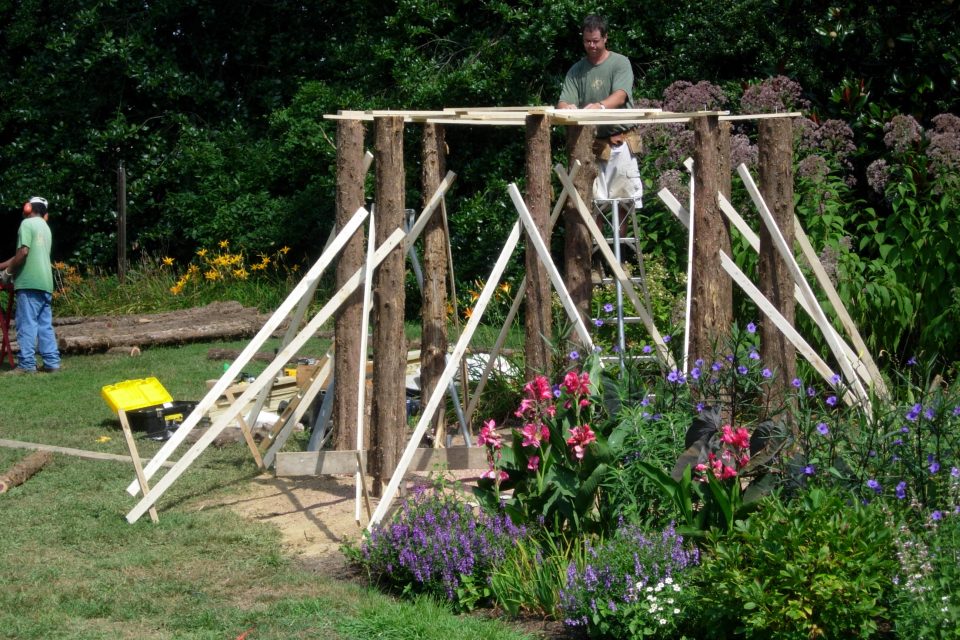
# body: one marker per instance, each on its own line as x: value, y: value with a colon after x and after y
x: 35, y: 329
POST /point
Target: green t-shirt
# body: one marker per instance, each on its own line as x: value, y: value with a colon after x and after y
x: 35, y: 272
x: 587, y: 83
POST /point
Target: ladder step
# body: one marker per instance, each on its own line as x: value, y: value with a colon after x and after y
x: 608, y: 280
x: 622, y: 240
x: 632, y: 320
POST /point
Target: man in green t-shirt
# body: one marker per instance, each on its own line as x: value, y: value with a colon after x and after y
x: 603, y: 79
x: 33, y: 282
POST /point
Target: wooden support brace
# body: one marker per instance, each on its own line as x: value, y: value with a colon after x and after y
x: 344, y: 463
x: 132, y: 446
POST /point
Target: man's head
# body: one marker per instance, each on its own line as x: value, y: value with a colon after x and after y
x: 35, y: 206
x: 595, y: 38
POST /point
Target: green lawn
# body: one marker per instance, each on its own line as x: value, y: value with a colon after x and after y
x: 72, y: 567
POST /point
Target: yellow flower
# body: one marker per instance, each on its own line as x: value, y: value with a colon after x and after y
x: 177, y: 288
x: 258, y: 267
x: 474, y: 295
x: 284, y: 250
x: 468, y: 313
x: 224, y: 244
x: 295, y: 268
x: 505, y: 287
x: 167, y: 261
x: 193, y: 269
x: 103, y: 439
x: 201, y: 252
x: 240, y: 274
x: 60, y: 265
x: 212, y: 275
x: 264, y: 259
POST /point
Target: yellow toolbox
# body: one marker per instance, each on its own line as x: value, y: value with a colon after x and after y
x: 135, y: 394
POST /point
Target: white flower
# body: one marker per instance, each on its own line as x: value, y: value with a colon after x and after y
x: 676, y: 611
x: 676, y: 588
x: 663, y: 621
x: 669, y: 600
x: 668, y: 580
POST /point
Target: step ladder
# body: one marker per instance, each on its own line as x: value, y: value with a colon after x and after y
x: 617, y: 218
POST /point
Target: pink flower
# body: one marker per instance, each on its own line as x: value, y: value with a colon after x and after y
x: 539, y: 389
x: 489, y: 436
x: 526, y: 406
x: 531, y: 435
x: 579, y: 438
x: 575, y: 384
x: 550, y: 410
x: 727, y: 472
x: 735, y: 437
x: 492, y: 474
x: 544, y: 432
x: 533, y: 463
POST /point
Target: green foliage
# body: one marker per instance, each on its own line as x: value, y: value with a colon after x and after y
x: 816, y: 566
x: 533, y: 573
x: 557, y: 463
x: 926, y: 601
x: 635, y: 584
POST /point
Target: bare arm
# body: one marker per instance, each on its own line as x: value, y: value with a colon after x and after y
x: 614, y: 101
x: 17, y: 260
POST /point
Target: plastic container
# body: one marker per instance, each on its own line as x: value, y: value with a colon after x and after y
x: 160, y: 421
x: 135, y: 394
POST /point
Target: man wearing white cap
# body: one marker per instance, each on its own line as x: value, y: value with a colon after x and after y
x: 33, y: 282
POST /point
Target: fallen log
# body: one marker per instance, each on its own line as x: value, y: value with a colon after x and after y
x: 23, y: 470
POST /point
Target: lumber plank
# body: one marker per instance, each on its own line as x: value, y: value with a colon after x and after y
x: 67, y: 451
x: 321, y: 463
x: 24, y: 469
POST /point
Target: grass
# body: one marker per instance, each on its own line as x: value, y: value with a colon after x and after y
x: 72, y: 567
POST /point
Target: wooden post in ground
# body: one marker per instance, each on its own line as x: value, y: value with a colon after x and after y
x: 537, y: 322
x: 388, y: 414
x: 433, y: 341
x: 577, y: 245
x: 776, y: 282
x: 711, y: 289
x: 349, y: 198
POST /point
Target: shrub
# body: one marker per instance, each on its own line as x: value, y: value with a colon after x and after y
x: 633, y: 585
x: 438, y: 545
x: 926, y: 602
x: 819, y: 565
x: 531, y: 577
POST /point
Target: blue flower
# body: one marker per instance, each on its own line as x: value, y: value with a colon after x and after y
x: 809, y: 470
x: 901, y: 490
x: 751, y: 328
x: 873, y: 484
x: 914, y: 412
x: 699, y: 407
x: 912, y: 361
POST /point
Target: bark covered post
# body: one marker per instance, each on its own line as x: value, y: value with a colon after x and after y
x: 433, y: 342
x: 537, y: 321
x: 776, y: 186
x: 388, y: 413
x: 711, y: 312
x: 577, y: 243
x: 346, y: 357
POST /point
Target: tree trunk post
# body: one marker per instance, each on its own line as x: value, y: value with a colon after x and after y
x: 346, y: 357
x: 776, y: 186
x: 433, y: 341
x: 577, y: 243
x: 388, y: 414
x: 711, y: 312
x: 537, y: 321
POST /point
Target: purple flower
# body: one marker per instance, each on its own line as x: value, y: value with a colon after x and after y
x: 914, y: 412
x: 936, y: 515
x: 831, y: 400
x: 954, y: 472
x: 672, y: 376
x: 835, y: 379
x: 773, y: 95
x: 811, y: 392
x: 873, y: 484
x: 754, y: 355
x: 667, y: 339
x: 742, y: 370
x: 574, y: 355
x: 751, y: 328
x: 956, y: 410
x: 912, y: 361
x: 796, y: 383
x: 902, y: 133
x: 929, y: 413
x: 809, y: 470
x: 766, y: 373
x: 608, y: 308
x: 901, y: 490
x: 699, y: 407
x: 685, y: 96
x: 934, y: 467
x: 647, y: 348
x: 822, y: 428
x: 597, y: 322
x: 716, y: 366
x: 878, y: 175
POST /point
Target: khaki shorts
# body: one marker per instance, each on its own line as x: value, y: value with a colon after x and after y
x: 602, y: 146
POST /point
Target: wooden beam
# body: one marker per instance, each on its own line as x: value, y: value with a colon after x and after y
x: 320, y: 463
x: 67, y: 451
